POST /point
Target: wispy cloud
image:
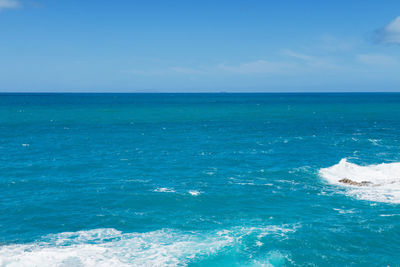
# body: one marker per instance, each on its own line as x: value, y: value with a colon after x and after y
x: 185, y: 70
x: 289, y: 62
x: 258, y: 67
x: 390, y: 34
x: 377, y: 59
x: 330, y: 43
x: 333, y: 60
x: 167, y: 71
x: 301, y: 56
x: 309, y: 62
x: 9, y: 4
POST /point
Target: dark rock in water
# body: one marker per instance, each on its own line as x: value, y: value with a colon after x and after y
x: 366, y: 183
x: 351, y: 182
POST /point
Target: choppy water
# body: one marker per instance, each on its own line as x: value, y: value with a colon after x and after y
x: 199, y: 179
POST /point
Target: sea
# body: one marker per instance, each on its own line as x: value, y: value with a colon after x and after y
x: 217, y: 179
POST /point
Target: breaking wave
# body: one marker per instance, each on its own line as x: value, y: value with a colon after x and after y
x: 379, y: 182
x: 110, y: 247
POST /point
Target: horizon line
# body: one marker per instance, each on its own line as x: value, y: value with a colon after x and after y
x: 202, y: 92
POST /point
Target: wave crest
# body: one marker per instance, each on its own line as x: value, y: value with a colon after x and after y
x: 110, y: 247
x: 377, y: 182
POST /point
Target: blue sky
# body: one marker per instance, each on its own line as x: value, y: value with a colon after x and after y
x: 199, y: 46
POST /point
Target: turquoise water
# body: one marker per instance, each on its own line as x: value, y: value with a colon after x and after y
x: 199, y: 179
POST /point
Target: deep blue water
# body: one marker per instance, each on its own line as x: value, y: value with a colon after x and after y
x: 197, y: 179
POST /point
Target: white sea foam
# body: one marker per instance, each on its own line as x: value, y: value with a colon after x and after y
x: 273, y: 258
x: 375, y: 142
x: 194, y: 192
x: 384, y: 180
x: 389, y: 215
x: 164, y: 190
x: 343, y: 211
x: 109, y: 247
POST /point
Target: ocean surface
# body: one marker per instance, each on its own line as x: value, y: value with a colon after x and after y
x: 199, y: 179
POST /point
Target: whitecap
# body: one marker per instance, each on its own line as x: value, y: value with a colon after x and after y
x: 375, y: 142
x: 164, y: 190
x: 194, y: 192
x: 110, y: 247
x: 343, y: 211
x: 382, y: 181
x: 249, y: 183
x: 268, y: 184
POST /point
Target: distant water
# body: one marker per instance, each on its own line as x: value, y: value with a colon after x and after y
x: 199, y: 179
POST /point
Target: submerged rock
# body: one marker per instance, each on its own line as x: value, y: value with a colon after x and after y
x: 351, y: 182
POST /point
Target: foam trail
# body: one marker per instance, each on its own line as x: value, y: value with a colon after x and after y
x: 164, y: 190
x: 384, y: 180
x: 109, y: 247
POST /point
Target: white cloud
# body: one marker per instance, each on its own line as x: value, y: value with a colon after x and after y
x: 4, y: 4
x: 377, y: 59
x: 390, y: 34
